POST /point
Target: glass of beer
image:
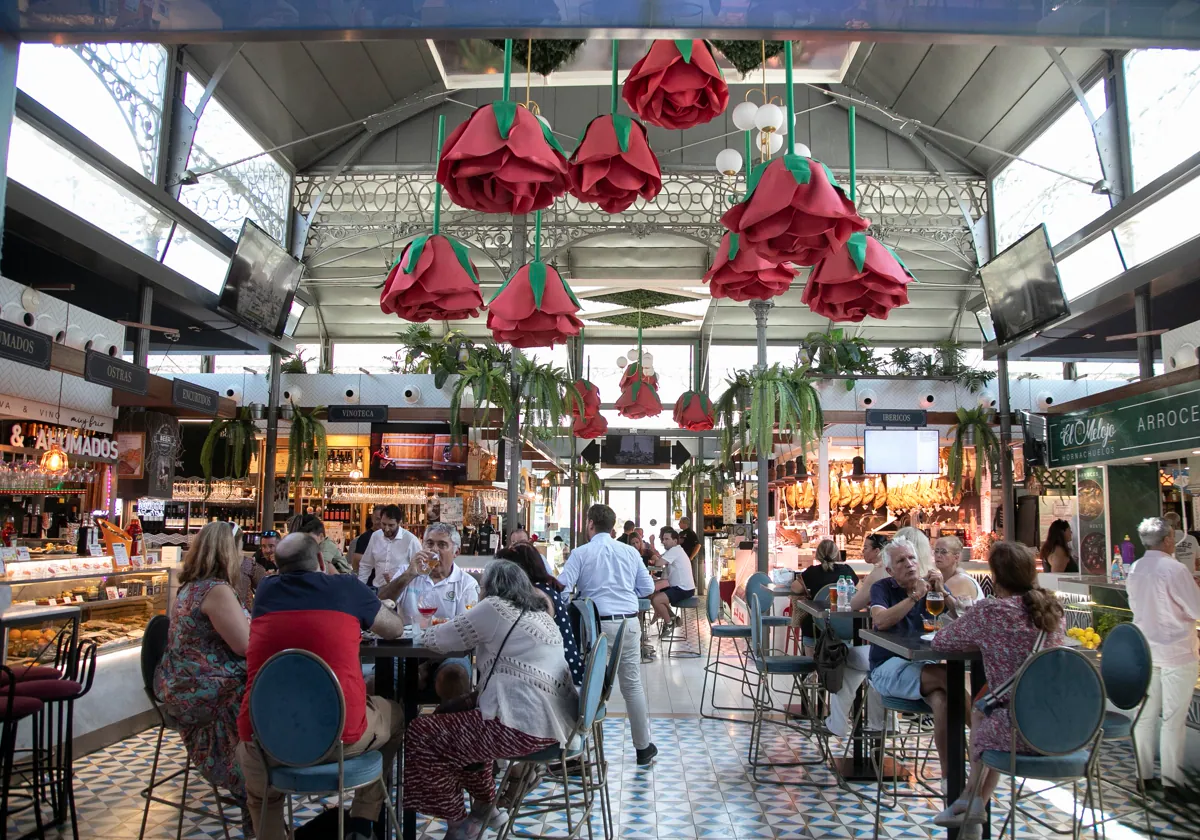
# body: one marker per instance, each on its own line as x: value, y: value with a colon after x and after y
x: 935, y: 603
x: 833, y: 599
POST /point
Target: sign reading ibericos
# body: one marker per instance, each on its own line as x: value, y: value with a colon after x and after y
x: 1145, y: 424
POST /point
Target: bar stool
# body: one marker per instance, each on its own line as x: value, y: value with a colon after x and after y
x: 689, y: 605
x: 15, y: 709
x: 891, y: 707
x: 718, y: 633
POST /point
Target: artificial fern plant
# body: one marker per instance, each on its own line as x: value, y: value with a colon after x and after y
x: 238, y: 435
x: 588, y: 486
x: 972, y: 428
x: 307, y: 448
x: 758, y: 402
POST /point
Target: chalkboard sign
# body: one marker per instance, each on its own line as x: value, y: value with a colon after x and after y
x: 18, y: 344
x: 186, y: 395
x: 103, y: 369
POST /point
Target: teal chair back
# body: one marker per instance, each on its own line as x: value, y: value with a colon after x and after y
x: 823, y: 595
x: 614, y: 659
x: 592, y: 691
x: 758, y: 586
x: 297, y: 709
x: 756, y: 614
x: 1126, y: 666
x: 1057, y: 701
x: 588, y: 626
x: 713, y: 601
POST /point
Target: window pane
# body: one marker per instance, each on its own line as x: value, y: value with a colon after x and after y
x: 376, y: 358
x: 624, y: 505
x: 1163, y: 88
x: 1161, y: 226
x: 237, y: 364
x: 55, y: 173
x: 166, y: 364
x: 196, y: 260
x: 1090, y: 266
x: 111, y: 92
x: 653, y: 512
x: 724, y: 359
x: 259, y: 188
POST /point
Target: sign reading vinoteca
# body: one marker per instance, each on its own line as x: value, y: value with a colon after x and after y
x: 1146, y: 424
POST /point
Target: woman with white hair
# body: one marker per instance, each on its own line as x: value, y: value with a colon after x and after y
x: 1166, y: 605
x: 961, y: 589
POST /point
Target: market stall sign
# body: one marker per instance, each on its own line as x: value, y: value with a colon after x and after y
x: 72, y: 441
x: 102, y: 369
x: 18, y: 344
x: 1159, y: 421
x: 358, y: 414
x: 914, y: 418
x: 186, y: 395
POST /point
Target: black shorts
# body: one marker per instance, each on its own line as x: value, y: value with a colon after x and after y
x: 675, y: 594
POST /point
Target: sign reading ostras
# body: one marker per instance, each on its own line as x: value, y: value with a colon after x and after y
x: 1149, y: 424
x: 70, y: 440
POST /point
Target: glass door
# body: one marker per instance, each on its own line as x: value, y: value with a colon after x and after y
x: 624, y: 505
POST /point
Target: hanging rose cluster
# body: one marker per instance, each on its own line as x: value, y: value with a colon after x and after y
x: 589, y: 422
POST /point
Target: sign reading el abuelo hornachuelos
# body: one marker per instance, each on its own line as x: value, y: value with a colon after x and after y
x: 1145, y: 424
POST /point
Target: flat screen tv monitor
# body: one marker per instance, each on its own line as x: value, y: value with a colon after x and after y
x: 1022, y: 287
x: 631, y: 451
x: 261, y: 282
x: 901, y: 451
x: 416, y: 452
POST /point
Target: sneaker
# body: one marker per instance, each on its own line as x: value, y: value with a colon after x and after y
x: 954, y: 814
x: 646, y: 757
x: 837, y: 725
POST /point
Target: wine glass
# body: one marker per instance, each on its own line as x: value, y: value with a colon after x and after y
x: 428, y: 603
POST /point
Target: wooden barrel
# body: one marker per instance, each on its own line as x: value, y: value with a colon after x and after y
x: 407, y: 451
x: 447, y: 456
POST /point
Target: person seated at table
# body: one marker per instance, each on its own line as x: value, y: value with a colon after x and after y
x: 518, y: 536
x: 961, y: 589
x: 827, y: 570
x: 454, y: 589
x: 1056, y: 550
x: 527, y: 557
x: 872, y: 553
x: 898, y: 605
x: 679, y: 585
x: 304, y: 608
x: 255, y: 568
x: 527, y: 701
x: 331, y: 556
x: 202, y: 674
x: 924, y: 549
x: 1005, y: 629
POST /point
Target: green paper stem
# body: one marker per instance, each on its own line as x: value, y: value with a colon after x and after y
x: 537, y: 236
x: 853, y: 149
x: 616, y: 47
x: 437, y: 192
x: 507, y: 68
x: 791, y: 98
x: 749, y: 162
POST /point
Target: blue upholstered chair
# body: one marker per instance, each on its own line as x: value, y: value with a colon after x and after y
x: 1125, y: 667
x: 589, y: 627
x: 610, y: 678
x: 719, y: 633
x: 298, y: 712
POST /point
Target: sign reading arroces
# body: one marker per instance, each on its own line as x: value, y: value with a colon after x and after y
x: 103, y: 369
x: 31, y: 348
x: 1145, y: 424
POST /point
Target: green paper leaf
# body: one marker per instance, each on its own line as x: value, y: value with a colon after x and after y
x: 734, y: 244
x: 506, y: 115
x: 549, y: 135
x: 413, y: 253
x: 800, y: 167
x: 685, y: 49
x: 687, y: 399
x: 857, y: 246
x: 537, y: 281
x: 464, y: 257
x: 892, y: 251
x: 829, y: 174
x: 755, y: 175
x: 836, y: 335
x: 571, y: 295
x: 637, y: 386
x: 623, y: 125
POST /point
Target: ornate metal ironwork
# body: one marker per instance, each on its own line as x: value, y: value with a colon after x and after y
x: 256, y: 189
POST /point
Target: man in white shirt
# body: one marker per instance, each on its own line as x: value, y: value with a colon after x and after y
x: 613, y: 575
x: 1166, y: 605
x: 390, y: 550
x: 680, y: 584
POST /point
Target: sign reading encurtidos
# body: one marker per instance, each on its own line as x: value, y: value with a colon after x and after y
x: 1146, y: 424
x: 187, y: 395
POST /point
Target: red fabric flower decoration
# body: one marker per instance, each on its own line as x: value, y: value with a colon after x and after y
x: 614, y: 164
x: 503, y: 160
x: 639, y: 394
x: 591, y: 428
x: 535, y: 308
x: 863, y: 280
x: 589, y: 398
x: 740, y: 274
x: 795, y: 212
x: 677, y: 85
x: 694, y: 411
x: 433, y: 279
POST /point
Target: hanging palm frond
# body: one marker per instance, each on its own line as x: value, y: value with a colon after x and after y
x: 307, y: 448
x: 757, y: 403
x: 238, y: 434
x: 973, y: 429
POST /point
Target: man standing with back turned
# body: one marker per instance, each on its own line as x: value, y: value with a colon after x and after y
x: 614, y: 577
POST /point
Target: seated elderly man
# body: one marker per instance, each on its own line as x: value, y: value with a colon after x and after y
x: 898, y: 604
x: 302, y: 607
x: 455, y: 590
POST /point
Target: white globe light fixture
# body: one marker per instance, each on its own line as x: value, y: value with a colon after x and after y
x: 647, y: 360
x: 785, y: 128
x: 744, y: 115
x: 769, y: 143
x: 622, y: 361
x: 769, y: 118
x: 729, y: 162
x: 632, y: 355
x: 803, y: 150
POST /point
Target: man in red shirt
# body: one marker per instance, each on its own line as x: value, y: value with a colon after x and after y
x: 302, y: 607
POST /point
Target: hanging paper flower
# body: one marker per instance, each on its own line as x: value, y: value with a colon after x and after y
x: 591, y: 428
x: 639, y: 395
x: 503, y: 160
x: 633, y: 372
x: 434, y: 279
x: 677, y: 85
x: 863, y: 280
x: 589, y: 400
x: 795, y: 212
x: 535, y: 308
x: 740, y: 274
x: 614, y: 164
x: 694, y: 411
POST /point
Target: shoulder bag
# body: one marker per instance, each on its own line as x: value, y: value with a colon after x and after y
x: 470, y: 700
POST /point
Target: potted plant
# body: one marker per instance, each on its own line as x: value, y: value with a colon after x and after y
x: 588, y: 486
x: 833, y: 354
x: 972, y: 428
x: 691, y: 478
x: 758, y: 402
x: 425, y: 353
x: 485, y: 373
x: 546, y: 396
x: 307, y: 448
x: 294, y: 363
x: 238, y: 434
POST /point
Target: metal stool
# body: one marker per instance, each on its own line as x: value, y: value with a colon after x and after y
x: 891, y: 706
x: 692, y: 605
x: 718, y: 633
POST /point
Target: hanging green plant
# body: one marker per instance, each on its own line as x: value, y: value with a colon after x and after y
x: 973, y: 428
x: 546, y: 395
x: 834, y: 354
x: 307, y: 448
x: 484, y: 373
x: 587, y: 481
x: 238, y: 435
x: 547, y: 56
x: 747, y: 55
x: 691, y: 478
x: 295, y: 363
x: 758, y: 402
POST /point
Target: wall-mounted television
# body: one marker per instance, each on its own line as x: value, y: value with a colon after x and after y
x: 261, y: 283
x: 901, y: 451
x: 416, y: 452
x: 634, y: 451
x: 1022, y: 287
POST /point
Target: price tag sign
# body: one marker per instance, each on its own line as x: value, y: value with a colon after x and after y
x: 95, y: 551
x: 120, y: 555
x: 111, y: 592
x: 7, y: 555
x: 23, y: 554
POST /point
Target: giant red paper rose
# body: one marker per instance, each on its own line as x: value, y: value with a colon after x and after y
x: 591, y: 428
x: 503, y: 160
x: 535, y: 308
x: 588, y: 405
x: 740, y: 274
x: 639, y: 395
x: 433, y: 279
x: 694, y: 411
x: 795, y: 212
x: 677, y: 85
x: 863, y: 280
x: 614, y: 164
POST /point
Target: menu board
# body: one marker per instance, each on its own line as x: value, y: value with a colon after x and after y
x: 1092, y: 520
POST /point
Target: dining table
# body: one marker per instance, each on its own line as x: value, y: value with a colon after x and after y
x: 919, y: 648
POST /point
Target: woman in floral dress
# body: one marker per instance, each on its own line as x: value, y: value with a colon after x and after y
x: 202, y: 675
x: 1005, y: 629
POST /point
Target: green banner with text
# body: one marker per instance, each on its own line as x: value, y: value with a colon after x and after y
x: 1147, y: 424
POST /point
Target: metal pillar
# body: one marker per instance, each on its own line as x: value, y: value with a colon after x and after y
x: 9, y: 49
x: 268, y: 465
x: 514, y: 427
x: 1006, y: 476
x: 141, y: 347
x: 761, y: 309
x: 1141, y: 323
x: 208, y: 364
